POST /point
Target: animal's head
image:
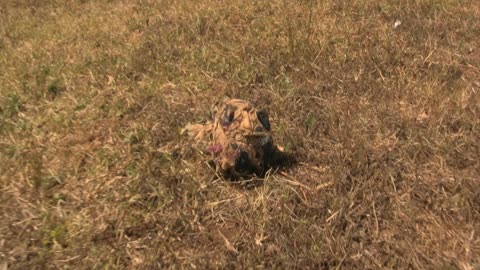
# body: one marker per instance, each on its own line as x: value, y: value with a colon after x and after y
x: 242, y: 142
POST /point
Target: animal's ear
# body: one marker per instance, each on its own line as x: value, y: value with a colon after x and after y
x: 262, y: 116
x: 230, y: 114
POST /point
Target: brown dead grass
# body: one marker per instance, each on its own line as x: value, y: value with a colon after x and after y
x: 384, y: 124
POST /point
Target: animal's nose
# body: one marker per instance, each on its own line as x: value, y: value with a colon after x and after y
x: 243, y: 163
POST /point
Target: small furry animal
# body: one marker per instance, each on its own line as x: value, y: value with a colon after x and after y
x: 239, y: 139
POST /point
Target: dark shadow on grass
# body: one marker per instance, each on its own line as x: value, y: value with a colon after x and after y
x: 282, y: 160
x: 278, y: 161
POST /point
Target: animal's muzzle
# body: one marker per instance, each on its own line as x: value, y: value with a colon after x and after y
x: 245, y: 164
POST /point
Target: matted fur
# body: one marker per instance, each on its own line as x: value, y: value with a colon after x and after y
x: 239, y: 138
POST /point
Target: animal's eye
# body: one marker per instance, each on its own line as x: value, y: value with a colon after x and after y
x: 263, y: 118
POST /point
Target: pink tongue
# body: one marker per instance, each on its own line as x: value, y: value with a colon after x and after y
x: 215, y: 149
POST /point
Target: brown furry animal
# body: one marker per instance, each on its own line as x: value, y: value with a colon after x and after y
x: 239, y: 139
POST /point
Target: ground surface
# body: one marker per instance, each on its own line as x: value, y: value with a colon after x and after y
x: 384, y: 123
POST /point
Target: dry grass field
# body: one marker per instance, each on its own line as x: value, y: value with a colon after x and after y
x: 378, y: 101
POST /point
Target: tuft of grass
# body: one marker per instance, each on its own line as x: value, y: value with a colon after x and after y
x: 55, y: 88
x: 12, y: 106
x: 55, y: 236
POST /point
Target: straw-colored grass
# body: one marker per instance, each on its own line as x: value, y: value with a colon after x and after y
x: 384, y: 122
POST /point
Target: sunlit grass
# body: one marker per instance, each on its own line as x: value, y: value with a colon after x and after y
x: 383, y: 120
